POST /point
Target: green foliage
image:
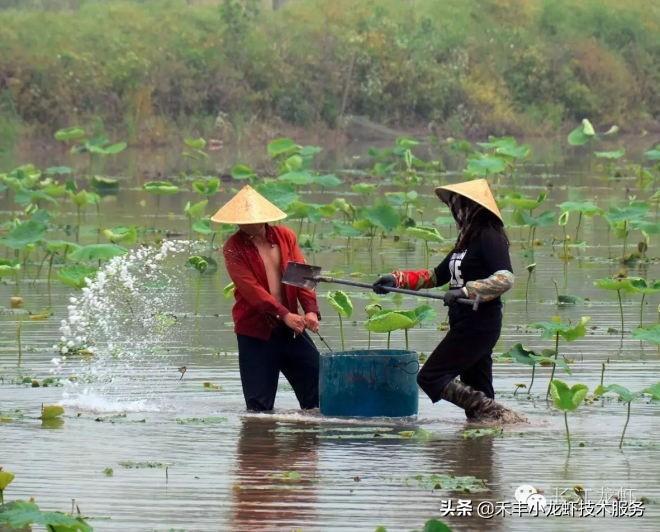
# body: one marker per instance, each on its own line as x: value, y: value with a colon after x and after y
x: 23, y: 234
x: 75, y: 275
x: 198, y: 263
x: 160, y: 188
x: 340, y: 301
x: 649, y: 334
x: 6, y: 478
x: 565, y: 398
x: 568, y: 332
x: 21, y: 514
x: 582, y: 134
x: 439, y: 66
x: 94, y: 252
x: 530, y: 358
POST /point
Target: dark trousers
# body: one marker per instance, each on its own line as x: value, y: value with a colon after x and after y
x: 260, y: 363
x: 465, y: 351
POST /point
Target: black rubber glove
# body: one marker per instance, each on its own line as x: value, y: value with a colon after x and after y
x: 451, y: 296
x: 384, y: 280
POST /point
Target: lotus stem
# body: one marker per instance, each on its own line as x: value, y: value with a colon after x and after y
x: 625, y: 237
x: 625, y: 426
x: 197, y: 290
x: 388, y: 339
x: 78, y: 221
x: 529, y: 277
x: 368, y: 340
x: 618, y: 293
x: 577, y: 229
x: 529, y: 390
x: 602, y: 373
x: 554, y: 366
x: 641, y: 311
x: 341, y: 332
x: 405, y: 331
x: 48, y: 283
x: 18, y: 339
x: 568, y: 434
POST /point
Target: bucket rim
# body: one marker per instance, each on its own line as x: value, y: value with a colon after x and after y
x: 370, y: 353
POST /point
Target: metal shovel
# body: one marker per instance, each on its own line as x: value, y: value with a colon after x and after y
x: 307, y: 276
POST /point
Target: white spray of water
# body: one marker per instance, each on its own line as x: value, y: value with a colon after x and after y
x: 124, y: 318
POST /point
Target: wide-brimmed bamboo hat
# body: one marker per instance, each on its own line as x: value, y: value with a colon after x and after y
x: 477, y: 190
x: 248, y: 207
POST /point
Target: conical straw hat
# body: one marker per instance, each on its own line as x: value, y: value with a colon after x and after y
x: 248, y: 207
x: 477, y: 190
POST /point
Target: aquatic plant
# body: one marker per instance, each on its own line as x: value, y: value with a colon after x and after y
x: 21, y: 238
x: 625, y: 396
x: 200, y: 265
x: 567, y: 400
x: 639, y: 285
x: 530, y: 269
x: 82, y: 199
x: 649, y: 334
x: 556, y: 328
x: 582, y: 134
x: 206, y: 186
x: 583, y: 208
x: 623, y: 219
x: 426, y: 234
x: 20, y: 515
x: 158, y: 189
x: 6, y: 478
x: 340, y: 301
x: 194, y: 212
x: 530, y: 358
x: 389, y: 320
x: 121, y: 235
x: 619, y: 284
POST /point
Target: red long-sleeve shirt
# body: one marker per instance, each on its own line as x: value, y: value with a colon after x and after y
x: 256, y: 312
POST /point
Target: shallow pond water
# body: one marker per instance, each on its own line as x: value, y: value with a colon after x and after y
x: 187, y: 456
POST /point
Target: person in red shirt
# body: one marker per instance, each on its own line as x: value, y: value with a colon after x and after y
x: 270, y: 331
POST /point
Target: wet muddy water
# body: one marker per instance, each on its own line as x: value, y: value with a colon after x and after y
x: 187, y: 457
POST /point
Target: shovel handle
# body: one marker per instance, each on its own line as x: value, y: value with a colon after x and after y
x: 474, y: 303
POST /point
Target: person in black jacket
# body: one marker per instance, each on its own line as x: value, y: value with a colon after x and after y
x: 478, y: 266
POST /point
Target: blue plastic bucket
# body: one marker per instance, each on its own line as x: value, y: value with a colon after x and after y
x: 379, y: 382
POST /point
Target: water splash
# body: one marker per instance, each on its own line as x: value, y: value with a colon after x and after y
x: 121, y: 326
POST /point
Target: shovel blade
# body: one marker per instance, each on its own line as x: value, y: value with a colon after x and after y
x: 301, y: 275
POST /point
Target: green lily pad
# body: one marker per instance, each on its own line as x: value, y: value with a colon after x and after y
x: 653, y: 391
x: 612, y: 155
x: 582, y: 134
x: 9, y: 267
x: 94, y: 252
x: 23, y: 234
x: 565, y: 398
x: 21, y: 514
x: 649, y: 334
x: 5, y: 479
x: 383, y: 216
x: 162, y: 188
x: 242, y: 171
x: 75, y: 275
x: 429, y: 234
x: 69, y: 134
x: 281, y: 146
x: 340, y: 301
